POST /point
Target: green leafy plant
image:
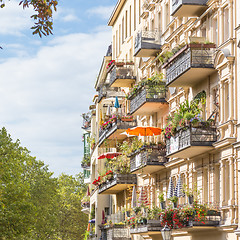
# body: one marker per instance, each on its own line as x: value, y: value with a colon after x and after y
x: 173, y: 199
x: 161, y: 197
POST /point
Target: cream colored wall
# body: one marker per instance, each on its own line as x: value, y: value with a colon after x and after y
x: 126, y: 47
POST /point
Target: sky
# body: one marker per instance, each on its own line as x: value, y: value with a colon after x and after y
x: 46, y: 84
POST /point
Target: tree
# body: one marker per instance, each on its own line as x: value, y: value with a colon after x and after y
x: 44, y: 14
x: 33, y: 204
x: 28, y: 194
x: 73, y: 222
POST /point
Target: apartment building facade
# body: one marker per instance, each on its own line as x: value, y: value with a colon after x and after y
x: 174, y: 65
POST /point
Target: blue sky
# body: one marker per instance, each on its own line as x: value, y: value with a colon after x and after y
x: 47, y: 83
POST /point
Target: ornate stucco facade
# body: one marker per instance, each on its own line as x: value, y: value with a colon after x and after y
x: 202, y: 41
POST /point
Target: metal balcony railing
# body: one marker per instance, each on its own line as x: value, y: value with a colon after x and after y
x: 147, y: 94
x: 122, y: 72
x: 187, y: 58
x: 145, y: 40
x: 112, y: 127
x: 191, y: 136
x: 118, y: 179
x: 148, y: 156
x: 104, y: 91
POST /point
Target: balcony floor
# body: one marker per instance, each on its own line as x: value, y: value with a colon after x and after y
x: 148, y: 169
x: 190, y: 151
x: 189, y: 10
x: 149, y: 108
x: 191, y: 77
x: 116, y: 188
x: 126, y: 82
x: 147, y: 52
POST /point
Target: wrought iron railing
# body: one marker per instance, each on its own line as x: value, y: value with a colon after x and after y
x: 116, y: 217
x: 147, y: 94
x: 121, y: 72
x: 147, y: 40
x: 190, y: 57
x: 112, y: 127
x: 118, y: 179
x: 107, y: 92
x: 191, y: 136
x: 147, y: 155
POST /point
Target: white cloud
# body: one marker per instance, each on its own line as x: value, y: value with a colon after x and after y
x: 13, y: 19
x: 70, y: 18
x: 43, y: 96
x: 101, y: 11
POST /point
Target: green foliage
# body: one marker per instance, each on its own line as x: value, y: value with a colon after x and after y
x: 73, y: 222
x: 173, y: 199
x: 161, y: 197
x: 43, y: 22
x: 34, y: 204
x: 188, y: 112
x: 155, y: 82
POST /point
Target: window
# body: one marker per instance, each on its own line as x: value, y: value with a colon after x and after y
x: 130, y: 21
x: 126, y: 24
x: 159, y: 21
x: 117, y: 43
x: 139, y: 10
x: 225, y: 24
x: 122, y: 30
x: 215, y: 30
x: 166, y: 16
x: 114, y: 47
x: 134, y: 15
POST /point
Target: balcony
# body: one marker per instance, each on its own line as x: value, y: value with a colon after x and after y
x: 191, y: 141
x: 105, y: 91
x: 190, y: 65
x: 113, y: 131
x: 148, y: 100
x: 122, y: 75
x: 85, y: 207
x: 118, y: 183
x: 152, y: 227
x: 148, y: 159
x: 188, y: 8
x: 147, y: 44
x: 212, y: 219
x: 148, y: 5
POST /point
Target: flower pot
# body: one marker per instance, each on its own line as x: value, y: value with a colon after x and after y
x: 175, y: 204
x: 163, y: 205
x: 190, y: 199
x: 127, y: 120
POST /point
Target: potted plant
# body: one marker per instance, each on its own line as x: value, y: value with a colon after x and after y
x: 161, y: 200
x: 190, y: 192
x: 174, y: 201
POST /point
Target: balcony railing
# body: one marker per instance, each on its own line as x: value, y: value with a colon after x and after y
x: 122, y: 76
x: 188, y: 8
x: 191, y: 141
x: 151, y: 226
x: 118, y: 183
x: 191, y: 64
x: 113, y: 127
x: 147, y: 43
x: 115, y: 231
x: 105, y: 91
x: 146, y: 96
x: 148, y: 159
x: 148, y: 5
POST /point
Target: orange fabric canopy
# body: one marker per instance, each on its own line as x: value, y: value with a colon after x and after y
x: 144, y: 131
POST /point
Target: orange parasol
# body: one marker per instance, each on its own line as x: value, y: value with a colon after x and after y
x: 143, y: 131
